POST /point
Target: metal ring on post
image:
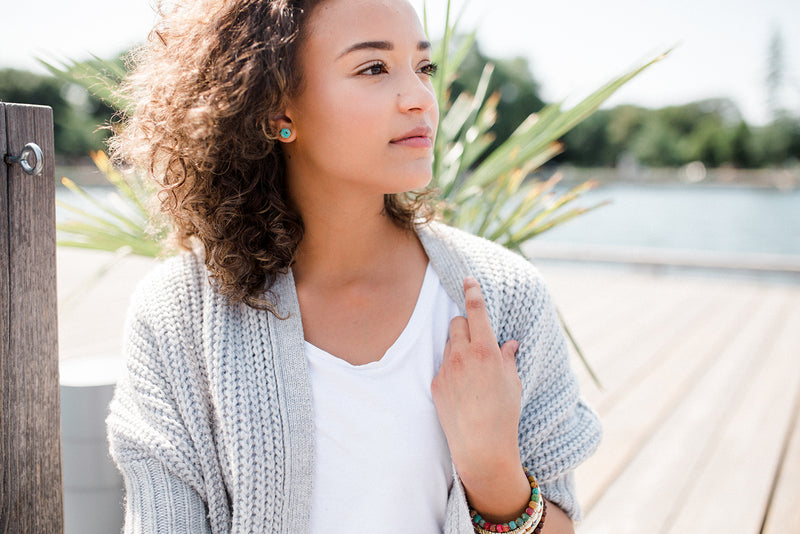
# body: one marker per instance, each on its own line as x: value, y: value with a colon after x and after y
x: 22, y: 159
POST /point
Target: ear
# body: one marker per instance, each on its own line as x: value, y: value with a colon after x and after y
x: 281, y: 124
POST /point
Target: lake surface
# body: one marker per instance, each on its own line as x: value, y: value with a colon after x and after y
x: 710, y: 218
x: 694, y: 217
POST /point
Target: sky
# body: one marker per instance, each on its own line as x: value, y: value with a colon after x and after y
x: 573, y: 46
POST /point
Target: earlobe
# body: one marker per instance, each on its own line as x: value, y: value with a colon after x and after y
x: 283, y: 127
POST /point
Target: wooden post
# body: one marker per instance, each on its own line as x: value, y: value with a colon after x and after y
x: 30, y: 433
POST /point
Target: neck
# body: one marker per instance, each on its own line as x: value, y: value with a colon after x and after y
x: 347, y: 239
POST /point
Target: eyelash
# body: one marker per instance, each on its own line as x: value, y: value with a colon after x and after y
x: 429, y: 69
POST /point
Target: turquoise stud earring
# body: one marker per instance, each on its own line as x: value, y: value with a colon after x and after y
x: 286, y: 133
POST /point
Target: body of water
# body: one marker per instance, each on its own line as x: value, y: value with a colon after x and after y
x: 689, y: 217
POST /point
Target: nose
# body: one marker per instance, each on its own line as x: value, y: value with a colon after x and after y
x: 415, y: 93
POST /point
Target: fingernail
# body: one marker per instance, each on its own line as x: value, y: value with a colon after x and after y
x: 470, y: 281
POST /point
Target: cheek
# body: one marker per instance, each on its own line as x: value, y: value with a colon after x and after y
x: 348, y: 123
x: 339, y: 108
x: 335, y: 96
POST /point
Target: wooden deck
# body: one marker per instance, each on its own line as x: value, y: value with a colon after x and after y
x: 701, y: 400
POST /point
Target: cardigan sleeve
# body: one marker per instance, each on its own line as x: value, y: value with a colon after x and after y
x: 557, y: 430
x: 149, y: 439
x: 158, y: 501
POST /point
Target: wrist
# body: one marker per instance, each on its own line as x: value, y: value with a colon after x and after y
x: 530, y: 521
x: 480, y: 467
x: 498, y: 495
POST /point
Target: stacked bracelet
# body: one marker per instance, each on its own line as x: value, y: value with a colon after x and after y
x: 530, y: 522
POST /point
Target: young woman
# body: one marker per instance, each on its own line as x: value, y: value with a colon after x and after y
x: 324, y: 358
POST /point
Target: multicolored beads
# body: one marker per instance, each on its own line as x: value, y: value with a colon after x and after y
x: 529, y: 522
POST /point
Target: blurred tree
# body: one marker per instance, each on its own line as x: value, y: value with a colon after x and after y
x: 76, y: 114
x: 775, y: 72
x: 626, y: 122
x: 711, y: 131
x: 589, y: 144
x: 657, y: 144
x: 603, y: 138
x: 778, y: 143
x: 710, y: 142
x: 742, y: 150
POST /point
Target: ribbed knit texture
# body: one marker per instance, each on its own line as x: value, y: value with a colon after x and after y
x: 212, y: 426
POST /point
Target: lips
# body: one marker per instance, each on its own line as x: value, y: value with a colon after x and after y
x: 420, y: 137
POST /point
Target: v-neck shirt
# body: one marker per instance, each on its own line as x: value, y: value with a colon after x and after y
x: 381, y: 456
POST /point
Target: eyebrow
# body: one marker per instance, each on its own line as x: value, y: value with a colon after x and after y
x: 379, y: 45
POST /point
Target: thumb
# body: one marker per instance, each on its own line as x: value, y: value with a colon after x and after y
x: 509, y: 349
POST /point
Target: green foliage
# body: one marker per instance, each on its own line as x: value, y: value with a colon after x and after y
x: 778, y: 142
x: 657, y: 144
x: 592, y: 140
x: 711, y: 131
x: 742, y: 149
x: 76, y: 113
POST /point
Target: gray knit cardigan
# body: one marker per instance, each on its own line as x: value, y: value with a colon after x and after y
x: 212, y: 427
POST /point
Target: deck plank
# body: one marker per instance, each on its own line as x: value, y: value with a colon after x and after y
x: 784, y: 512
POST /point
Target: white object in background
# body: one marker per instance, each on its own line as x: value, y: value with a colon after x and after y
x: 93, y: 488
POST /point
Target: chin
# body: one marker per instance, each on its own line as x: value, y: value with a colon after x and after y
x: 418, y: 182
x: 420, y: 177
x: 405, y: 179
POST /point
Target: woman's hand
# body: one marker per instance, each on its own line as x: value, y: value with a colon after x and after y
x: 477, y: 394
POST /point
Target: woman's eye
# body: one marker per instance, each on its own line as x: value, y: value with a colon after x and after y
x: 380, y: 68
x: 374, y: 69
x: 430, y: 69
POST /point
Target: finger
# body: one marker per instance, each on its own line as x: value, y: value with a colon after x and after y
x: 447, y: 349
x: 509, y: 350
x: 459, y: 329
x: 480, y: 328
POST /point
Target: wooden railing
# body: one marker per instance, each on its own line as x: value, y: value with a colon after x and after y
x: 660, y: 258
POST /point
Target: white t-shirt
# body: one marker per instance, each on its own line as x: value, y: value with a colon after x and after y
x: 381, y: 457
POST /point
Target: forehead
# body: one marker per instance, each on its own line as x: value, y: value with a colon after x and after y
x: 335, y: 24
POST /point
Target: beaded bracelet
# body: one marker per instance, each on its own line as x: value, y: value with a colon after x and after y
x: 540, y: 526
x: 531, y: 526
x: 529, y: 522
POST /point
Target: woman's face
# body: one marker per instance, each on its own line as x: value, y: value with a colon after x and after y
x: 366, y: 114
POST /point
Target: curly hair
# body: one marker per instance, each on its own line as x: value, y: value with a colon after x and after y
x: 203, y: 90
